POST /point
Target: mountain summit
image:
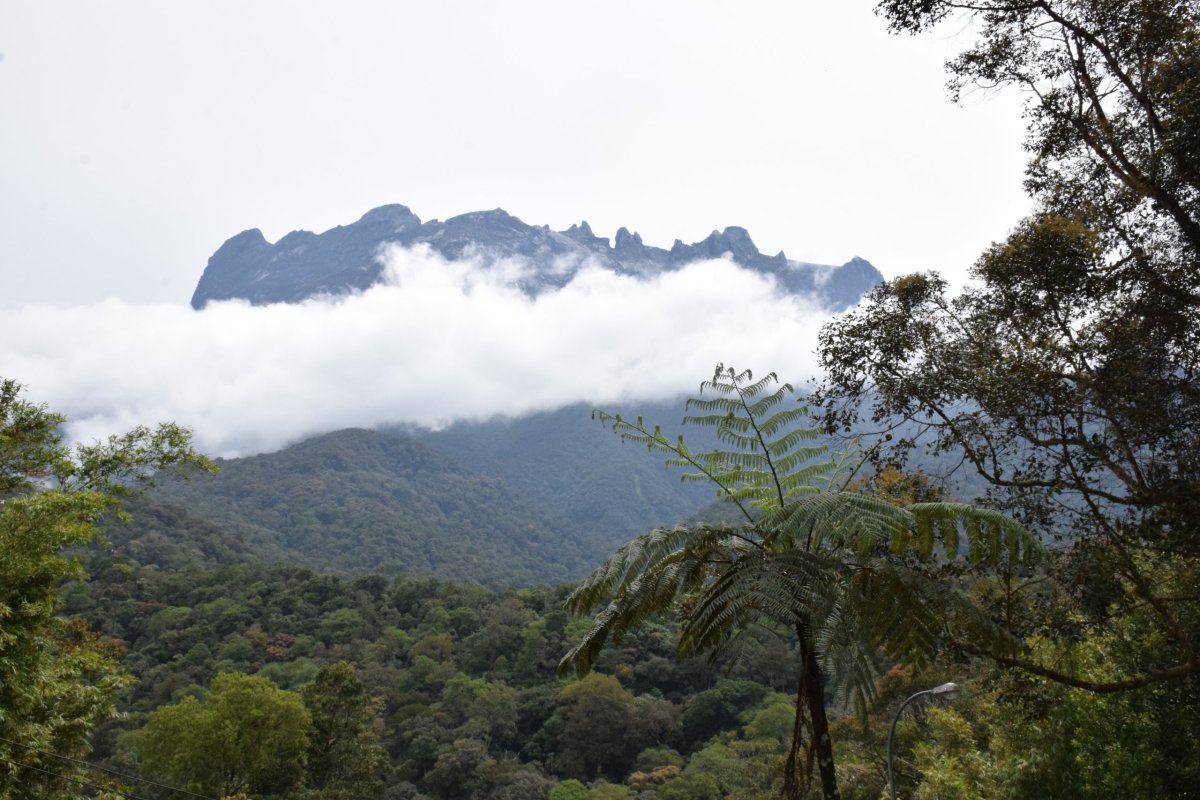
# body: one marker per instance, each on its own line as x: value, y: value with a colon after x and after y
x: 346, y: 259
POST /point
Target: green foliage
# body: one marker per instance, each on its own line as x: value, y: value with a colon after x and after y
x: 570, y: 789
x: 558, y: 458
x: 952, y: 767
x: 1038, y: 741
x: 831, y: 565
x: 1012, y: 735
x: 1052, y: 741
x: 246, y: 735
x: 458, y: 769
x: 1068, y: 376
x: 653, y: 757
x: 359, y: 500
x: 598, y: 731
x: 479, y: 709
x: 340, y: 626
x: 734, y: 769
x: 57, y: 678
x: 345, y: 759
x: 714, y: 710
x: 775, y: 723
x: 602, y: 790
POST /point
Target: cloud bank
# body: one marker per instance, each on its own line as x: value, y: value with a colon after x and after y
x: 440, y: 341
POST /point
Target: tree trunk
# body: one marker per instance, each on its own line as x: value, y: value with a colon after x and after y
x: 815, y: 692
x: 810, y: 700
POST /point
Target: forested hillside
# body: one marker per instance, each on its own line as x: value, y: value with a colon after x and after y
x: 466, y: 704
x: 359, y: 500
x: 450, y: 692
x: 566, y: 460
x: 480, y: 501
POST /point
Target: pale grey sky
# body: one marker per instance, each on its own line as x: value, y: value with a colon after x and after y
x: 136, y: 136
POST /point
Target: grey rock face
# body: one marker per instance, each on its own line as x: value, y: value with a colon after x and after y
x: 346, y: 258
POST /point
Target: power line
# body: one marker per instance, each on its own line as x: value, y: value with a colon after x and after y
x: 88, y: 784
x: 99, y: 768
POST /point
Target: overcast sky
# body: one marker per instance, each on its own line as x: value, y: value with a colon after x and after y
x: 135, y: 137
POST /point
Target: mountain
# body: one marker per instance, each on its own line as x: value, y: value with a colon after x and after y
x: 537, y: 499
x: 345, y: 259
x: 358, y: 501
x: 564, y: 459
x: 172, y: 537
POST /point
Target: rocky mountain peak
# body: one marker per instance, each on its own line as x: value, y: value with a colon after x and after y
x: 346, y: 258
x: 626, y: 240
x: 395, y: 216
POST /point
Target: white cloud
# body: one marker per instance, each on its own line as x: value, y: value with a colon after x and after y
x: 441, y: 341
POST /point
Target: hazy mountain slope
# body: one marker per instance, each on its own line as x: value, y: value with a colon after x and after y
x: 359, y: 501
x: 539, y: 499
x: 171, y: 536
x: 575, y: 466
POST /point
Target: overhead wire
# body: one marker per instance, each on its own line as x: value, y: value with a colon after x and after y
x: 79, y: 781
x: 112, y: 772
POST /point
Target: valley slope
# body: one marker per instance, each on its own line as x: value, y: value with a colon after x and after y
x: 508, y: 502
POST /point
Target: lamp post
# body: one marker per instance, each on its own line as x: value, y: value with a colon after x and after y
x: 945, y: 688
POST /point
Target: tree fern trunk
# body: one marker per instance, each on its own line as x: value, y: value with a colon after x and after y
x: 810, y: 701
x: 820, y: 725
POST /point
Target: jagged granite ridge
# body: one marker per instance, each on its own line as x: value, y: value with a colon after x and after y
x: 345, y: 259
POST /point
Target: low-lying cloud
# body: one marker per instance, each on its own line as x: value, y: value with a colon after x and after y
x: 440, y: 341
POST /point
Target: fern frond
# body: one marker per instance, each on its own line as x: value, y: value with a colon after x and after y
x: 787, y: 420
x: 990, y: 535
x: 706, y: 465
x: 647, y: 554
x: 858, y: 521
x: 812, y: 557
x: 779, y: 586
x: 761, y: 406
x: 791, y: 439
x: 717, y: 410
x: 848, y: 658
x: 900, y: 612
x: 803, y: 475
x: 759, y: 386
x: 966, y: 621
x: 647, y: 597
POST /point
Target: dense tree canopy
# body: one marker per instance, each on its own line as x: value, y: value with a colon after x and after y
x: 245, y: 736
x: 57, y: 678
x: 345, y: 760
x: 810, y: 559
x: 1068, y: 377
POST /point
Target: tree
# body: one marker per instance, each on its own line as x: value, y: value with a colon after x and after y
x: 716, y: 709
x: 459, y: 770
x: 1067, y: 378
x: 1114, y: 114
x: 479, y: 709
x: 345, y: 758
x: 569, y: 789
x: 57, y: 678
x: 596, y: 729
x: 246, y: 735
x: 835, y: 569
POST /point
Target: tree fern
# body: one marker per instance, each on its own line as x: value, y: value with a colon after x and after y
x: 810, y: 557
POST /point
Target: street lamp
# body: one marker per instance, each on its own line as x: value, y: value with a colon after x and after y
x: 945, y: 688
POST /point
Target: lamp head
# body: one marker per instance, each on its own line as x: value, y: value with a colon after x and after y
x: 945, y: 688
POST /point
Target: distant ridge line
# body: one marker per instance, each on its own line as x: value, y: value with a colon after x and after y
x: 345, y: 259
